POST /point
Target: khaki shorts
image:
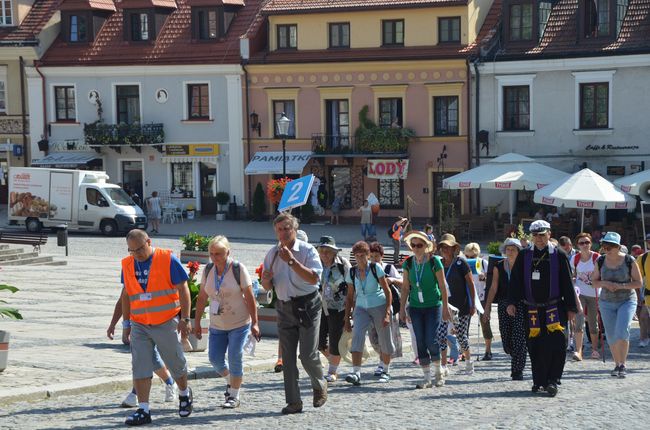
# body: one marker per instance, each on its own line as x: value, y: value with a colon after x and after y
x: 166, y: 338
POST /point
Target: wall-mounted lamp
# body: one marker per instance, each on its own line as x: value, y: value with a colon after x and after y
x: 256, y: 124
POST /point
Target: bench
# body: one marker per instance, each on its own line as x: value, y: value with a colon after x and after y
x: 34, y: 239
x: 388, y: 258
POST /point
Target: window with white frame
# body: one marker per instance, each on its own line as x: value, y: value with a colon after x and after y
x: 6, y: 13
x: 182, y: 177
x: 593, y: 100
x: 515, y: 103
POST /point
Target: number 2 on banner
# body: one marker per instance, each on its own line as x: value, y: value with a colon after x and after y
x: 294, y: 192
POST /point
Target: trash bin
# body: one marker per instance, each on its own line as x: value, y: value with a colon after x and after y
x: 62, y: 235
x: 232, y: 211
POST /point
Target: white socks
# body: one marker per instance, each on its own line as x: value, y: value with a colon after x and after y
x: 185, y: 392
x: 385, y: 366
x: 426, y: 370
x: 332, y: 369
x: 233, y: 392
x: 356, y: 370
x: 144, y: 406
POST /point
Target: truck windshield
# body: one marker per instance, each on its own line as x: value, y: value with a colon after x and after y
x: 119, y: 197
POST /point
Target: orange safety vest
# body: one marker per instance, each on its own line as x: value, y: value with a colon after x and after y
x: 161, y: 301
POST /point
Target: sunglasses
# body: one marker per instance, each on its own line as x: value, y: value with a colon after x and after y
x: 539, y: 234
x: 417, y: 245
x: 584, y: 242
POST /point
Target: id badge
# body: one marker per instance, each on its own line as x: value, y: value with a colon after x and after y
x: 214, y: 307
x: 536, y: 275
x: 145, y: 297
x: 420, y: 297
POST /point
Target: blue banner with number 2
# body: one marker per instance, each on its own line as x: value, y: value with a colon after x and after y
x: 296, y: 193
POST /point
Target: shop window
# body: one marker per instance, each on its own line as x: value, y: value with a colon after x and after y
x: 445, y: 116
x: 339, y: 35
x: 287, y: 36
x: 521, y: 22
x: 198, y: 98
x: 594, y: 105
x: 289, y: 109
x: 390, y: 112
x: 340, y: 182
x: 516, y: 108
x: 64, y: 99
x: 449, y: 29
x: 6, y: 13
x: 182, y: 178
x: 392, y: 32
x: 391, y: 193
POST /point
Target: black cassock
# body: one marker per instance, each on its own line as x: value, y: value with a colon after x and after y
x: 547, y: 350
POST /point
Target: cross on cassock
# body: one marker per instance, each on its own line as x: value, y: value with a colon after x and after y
x: 551, y: 316
x: 533, y: 318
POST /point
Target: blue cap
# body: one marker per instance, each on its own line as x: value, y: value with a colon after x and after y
x: 612, y: 237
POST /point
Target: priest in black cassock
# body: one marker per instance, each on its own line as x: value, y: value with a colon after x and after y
x: 541, y: 277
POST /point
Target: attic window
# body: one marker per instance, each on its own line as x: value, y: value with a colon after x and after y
x: 78, y: 28
x: 544, y: 12
x: 596, y: 18
x: 521, y: 21
x: 139, y: 27
x: 621, y: 10
x: 5, y: 12
x: 211, y: 23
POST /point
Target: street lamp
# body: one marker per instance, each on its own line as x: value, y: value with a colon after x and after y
x: 283, y: 131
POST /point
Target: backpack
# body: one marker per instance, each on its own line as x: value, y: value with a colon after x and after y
x: 342, y: 290
x: 576, y: 259
x: 394, y: 292
x: 390, y: 232
x: 236, y: 270
x: 628, y: 262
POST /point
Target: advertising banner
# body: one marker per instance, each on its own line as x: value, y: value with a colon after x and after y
x: 388, y: 169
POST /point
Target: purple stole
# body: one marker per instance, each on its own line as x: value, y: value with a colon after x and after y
x: 552, y: 314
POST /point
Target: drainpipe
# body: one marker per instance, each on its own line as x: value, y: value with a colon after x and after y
x: 248, y: 135
x: 23, y: 111
x: 469, y: 114
x: 477, y: 146
x: 45, y: 133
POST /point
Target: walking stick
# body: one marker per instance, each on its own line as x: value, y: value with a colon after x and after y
x: 601, y: 329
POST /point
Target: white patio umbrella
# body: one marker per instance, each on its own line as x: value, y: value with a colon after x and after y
x: 637, y: 184
x: 585, y: 189
x: 507, y: 172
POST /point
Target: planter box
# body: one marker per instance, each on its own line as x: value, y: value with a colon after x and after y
x: 198, y: 345
x: 268, y: 321
x: 221, y: 217
x: 202, y: 257
x: 4, y: 349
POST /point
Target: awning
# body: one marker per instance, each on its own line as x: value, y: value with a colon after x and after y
x: 66, y: 159
x: 271, y: 162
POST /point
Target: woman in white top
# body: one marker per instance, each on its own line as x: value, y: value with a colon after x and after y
x: 583, y: 264
x: 154, y: 211
x: 233, y: 315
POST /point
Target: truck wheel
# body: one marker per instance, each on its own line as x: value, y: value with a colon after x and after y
x: 108, y: 228
x: 33, y: 225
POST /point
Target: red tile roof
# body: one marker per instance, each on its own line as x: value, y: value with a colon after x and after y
x: 142, y: 4
x: 276, y: 7
x: 216, y: 2
x: 561, y: 36
x: 87, y: 4
x: 28, y: 30
x: 174, y: 44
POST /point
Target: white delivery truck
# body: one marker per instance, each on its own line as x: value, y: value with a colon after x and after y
x: 82, y: 199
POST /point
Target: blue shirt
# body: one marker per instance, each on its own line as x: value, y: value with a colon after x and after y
x: 368, y: 293
x: 176, y: 271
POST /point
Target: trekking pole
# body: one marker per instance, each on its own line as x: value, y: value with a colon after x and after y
x: 601, y: 329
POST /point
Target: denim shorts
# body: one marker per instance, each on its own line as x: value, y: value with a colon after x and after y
x: 233, y: 341
x: 363, y: 317
x: 617, y: 319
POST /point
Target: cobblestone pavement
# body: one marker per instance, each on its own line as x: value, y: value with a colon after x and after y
x: 589, y: 398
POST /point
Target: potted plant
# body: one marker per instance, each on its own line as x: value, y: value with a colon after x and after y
x: 222, y: 199
x: 194, y: 344
x: 195, y: 248
x: 6, y: 312
x: 190, y: 211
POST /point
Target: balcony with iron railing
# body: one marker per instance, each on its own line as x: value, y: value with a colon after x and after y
x: 367, y: 142
x: 99, y: 135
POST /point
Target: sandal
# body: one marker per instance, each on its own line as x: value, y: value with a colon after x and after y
x: 576, y: 357
x: 353, y: 379
x: 185, y: 404
x: 230, y: 403
x: 138, y: 418
x: 332, y: 377
x: 595, y: 355
x: 278, y: 366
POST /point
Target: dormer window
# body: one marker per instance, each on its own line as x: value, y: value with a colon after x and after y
x: 208, y: 28
x: 521, y: 22
x: 621, y: 11
x: 596, y: 18
x: 5, y: 13
x: 211, y: 23
x: 543, y: 14
x: 139, y: 26
x: 80, y: 23
x: 143, y: 19
x: 78, y: 28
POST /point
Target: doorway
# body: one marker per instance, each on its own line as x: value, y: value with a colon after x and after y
x: 208, y: 172
x: 446, y: 203
x: 132, y: 180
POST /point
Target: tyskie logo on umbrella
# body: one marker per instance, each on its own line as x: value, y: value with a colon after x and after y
x: 620, y: 205
x: 584, y: 204
x: 626, y: 188
x: 464, y: 184
x: 503, y: 185
x: 548, y: 200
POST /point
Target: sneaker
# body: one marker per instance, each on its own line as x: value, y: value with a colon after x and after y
x: 644, y: 343
x: 130, y: 401
x: 536, y: 389
x: 320, y: 397
x: 517, y: 376
x: 469, y: 367
x: 622, y: 371
x: 379, y: 370
x: 138, y: 418
x: 445, y: 371
x: 487, y: 356
x: 424, y: 384
x: 576, y: 357
x: 171, y: 391
x: 230, y: 403
x: 551, y: 389
x: 278, y: 366
x: 440, y: 380
x: 292, y: 408
x: 331, y: 377
x: 615, y: 371
x: 384, y: 377
x: 595, y: 355
x: 226, y: 393
x: 185, y: 404
x: 353, y: 379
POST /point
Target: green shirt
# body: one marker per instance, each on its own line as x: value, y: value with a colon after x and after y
x: 428, y: 282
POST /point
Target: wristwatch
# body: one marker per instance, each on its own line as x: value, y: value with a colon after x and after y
x: 291, y: 262
x: 187, y: 320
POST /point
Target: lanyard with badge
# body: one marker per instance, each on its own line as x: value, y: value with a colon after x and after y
x: 536, y: 276
x: 327, y: 289
x: 365, y: 281
x: 143, y: 275
x: 419, y: 269
x: 218, y: 280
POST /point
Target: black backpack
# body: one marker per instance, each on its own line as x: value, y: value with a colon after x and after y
x: 394, y: 291
x: 236, y: 270
x: 628, y: 261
